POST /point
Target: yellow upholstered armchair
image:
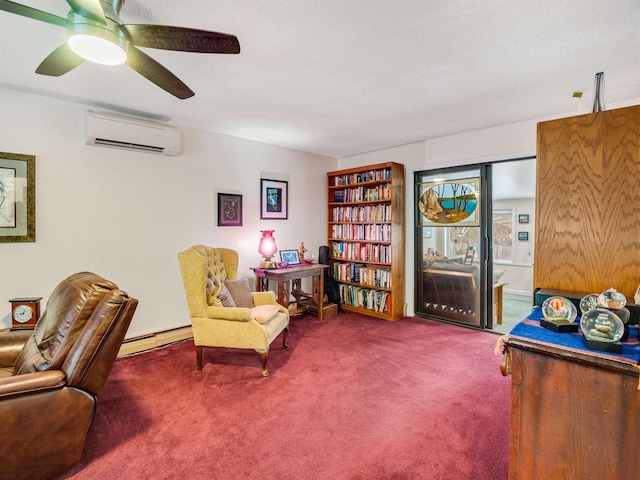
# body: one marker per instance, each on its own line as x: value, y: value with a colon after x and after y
x: 224, y: 313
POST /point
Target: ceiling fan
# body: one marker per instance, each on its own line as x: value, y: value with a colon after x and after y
x: 96, y: 33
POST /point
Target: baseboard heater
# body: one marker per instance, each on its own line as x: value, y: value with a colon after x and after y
x: 154, y: 340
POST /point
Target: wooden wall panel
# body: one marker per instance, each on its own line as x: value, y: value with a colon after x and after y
x: 588, y: 202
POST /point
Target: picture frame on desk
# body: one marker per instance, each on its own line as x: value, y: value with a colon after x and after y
x: 292, y: 257
x: 274, y: 199
x: 17, y: 197
x: 229, y: 210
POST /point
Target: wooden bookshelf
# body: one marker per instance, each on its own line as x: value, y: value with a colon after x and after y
x: 366, y: 238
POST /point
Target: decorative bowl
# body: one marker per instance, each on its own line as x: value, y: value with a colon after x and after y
x: 308, y: 260
x: 283, y: 264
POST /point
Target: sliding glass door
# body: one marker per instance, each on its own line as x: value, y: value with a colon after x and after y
x: 450, y: 241
x: 474, y: 243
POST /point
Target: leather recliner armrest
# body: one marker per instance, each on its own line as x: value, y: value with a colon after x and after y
x: 31, y: 382
x: 11, y: 344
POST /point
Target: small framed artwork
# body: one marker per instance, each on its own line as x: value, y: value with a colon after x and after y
x: 523, y: 218
x: 523, y: 236
x: 17, y: 197
x: 274, y: 199
x: 229, y: 210
x: 290, y: 256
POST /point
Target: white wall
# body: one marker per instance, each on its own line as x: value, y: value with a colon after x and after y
x: 519, y: 274
x: 125, y: 215
x: 515, y: 140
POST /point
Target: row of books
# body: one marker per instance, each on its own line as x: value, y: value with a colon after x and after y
x: 359, y: 273
x: 365, y: 298
x: 377, y: 232
x: 363, y: 194
x: 363, y: 213
x: 363, y: 252
x: 362, y: 177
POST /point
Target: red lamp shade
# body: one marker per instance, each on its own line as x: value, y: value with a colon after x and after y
x: 267, y: 247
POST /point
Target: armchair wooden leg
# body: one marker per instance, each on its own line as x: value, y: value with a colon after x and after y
x: 285, y: 332
x: 264, y: 356
x: 198, y: 357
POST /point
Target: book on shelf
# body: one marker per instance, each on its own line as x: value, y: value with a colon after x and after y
x: 355, y: 296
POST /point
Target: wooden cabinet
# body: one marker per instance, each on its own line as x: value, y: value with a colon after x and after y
x: 366, y: 238
x: 588, y: 202
x: 573, y: 415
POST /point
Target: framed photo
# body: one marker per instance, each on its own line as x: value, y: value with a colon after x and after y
x: 290, y: 256
x: 448, y: 203
x: 523, y: 218
x: 274, y: 199
x: 523, y: 236
x: 17, y: 197
x: 229, y: 210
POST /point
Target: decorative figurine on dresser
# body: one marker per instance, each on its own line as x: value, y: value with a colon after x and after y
x: 605, y: 321
x: 25, y: 312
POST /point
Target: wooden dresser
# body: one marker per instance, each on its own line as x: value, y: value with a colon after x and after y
x: 574, y: 415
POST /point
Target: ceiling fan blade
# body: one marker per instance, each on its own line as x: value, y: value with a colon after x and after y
x: 182, y: 39
x: 59, y: 62
x: 34, y: 13
x: 92, y: 9
x: 156, y: 73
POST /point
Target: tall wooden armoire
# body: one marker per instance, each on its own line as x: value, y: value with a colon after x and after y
x: 588, y: 203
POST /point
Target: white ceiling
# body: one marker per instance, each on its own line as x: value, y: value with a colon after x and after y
x: 341, y: 77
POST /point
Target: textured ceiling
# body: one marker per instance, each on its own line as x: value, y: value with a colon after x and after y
x: 340, y: 77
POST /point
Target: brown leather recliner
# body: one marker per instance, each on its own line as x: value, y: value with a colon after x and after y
x: 50, y: 377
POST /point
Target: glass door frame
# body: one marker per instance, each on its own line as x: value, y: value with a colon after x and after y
x: 485, y: 247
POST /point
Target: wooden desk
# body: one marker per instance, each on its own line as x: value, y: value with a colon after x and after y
x: 573, y: 415
x: 289, y: 282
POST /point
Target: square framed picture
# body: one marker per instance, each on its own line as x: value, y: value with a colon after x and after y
x: 274, y: 199
x: 229, y: 210
x: 17, y: 197
x: 523, y: 236
x: 523, y: 218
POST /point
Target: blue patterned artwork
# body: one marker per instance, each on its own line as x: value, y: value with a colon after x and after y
x: 448, y: 203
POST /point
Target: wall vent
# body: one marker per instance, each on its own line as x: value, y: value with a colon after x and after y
x: 130, y: 133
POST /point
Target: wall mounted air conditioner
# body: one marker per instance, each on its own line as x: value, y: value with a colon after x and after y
x: 130, y: 133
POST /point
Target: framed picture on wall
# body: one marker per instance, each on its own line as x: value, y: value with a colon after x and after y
x: 523, y: 236
x: 229, y: 210
x: 523, y: 218
x: 274, y: 199
x: 17, y: 197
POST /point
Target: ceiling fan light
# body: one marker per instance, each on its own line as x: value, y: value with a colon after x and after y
x: 97, y: 44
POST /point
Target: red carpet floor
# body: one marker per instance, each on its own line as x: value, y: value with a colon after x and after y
x: 354, y: 398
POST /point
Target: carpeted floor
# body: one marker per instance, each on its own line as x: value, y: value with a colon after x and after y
x: 354, y: 398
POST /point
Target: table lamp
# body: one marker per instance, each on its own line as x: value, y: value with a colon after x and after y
x: 267, y: 248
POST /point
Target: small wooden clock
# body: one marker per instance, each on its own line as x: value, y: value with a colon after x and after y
x: 25, y: 312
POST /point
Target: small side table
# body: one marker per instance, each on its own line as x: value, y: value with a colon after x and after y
x: 289, y: 282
